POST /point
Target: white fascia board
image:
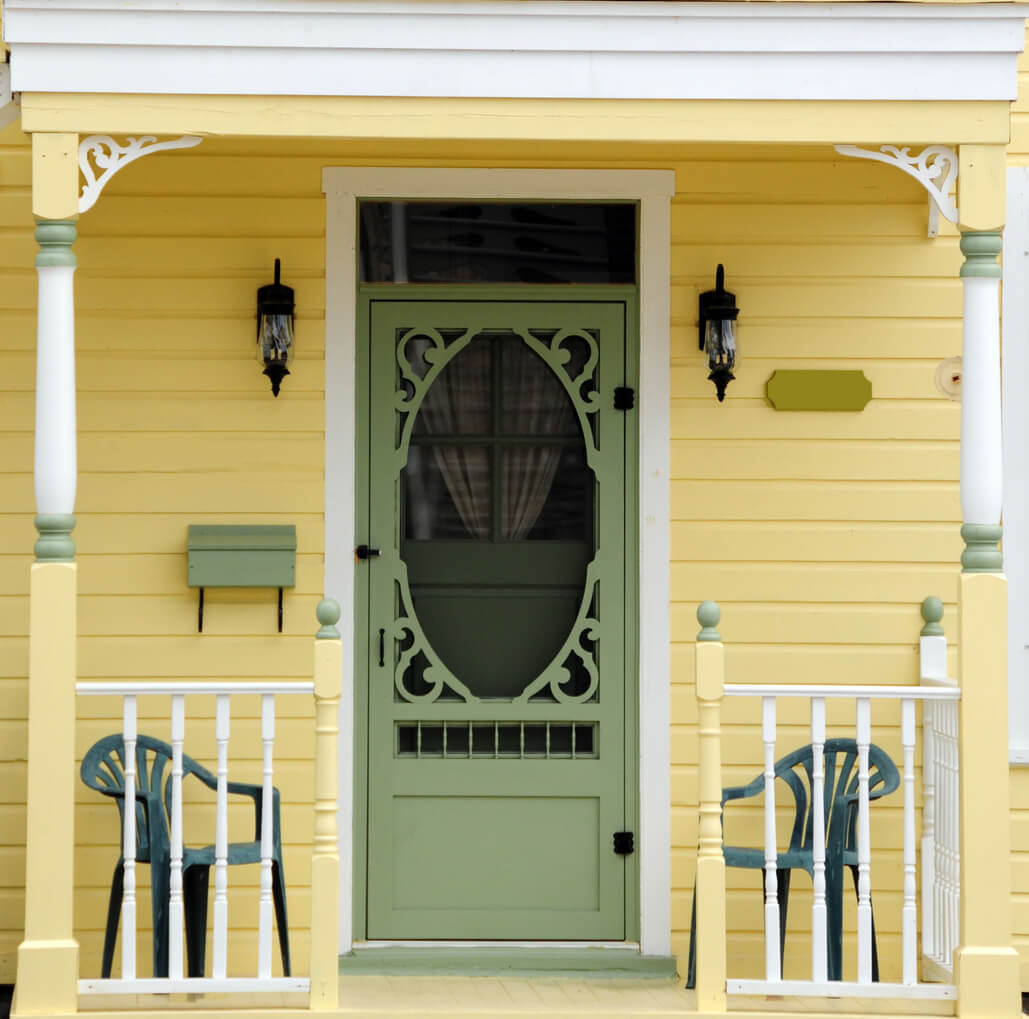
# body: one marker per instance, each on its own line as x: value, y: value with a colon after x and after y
x: 509, y: 49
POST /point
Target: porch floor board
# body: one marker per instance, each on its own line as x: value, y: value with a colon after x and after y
x: 498, y: 997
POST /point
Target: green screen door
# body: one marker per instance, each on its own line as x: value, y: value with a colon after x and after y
x: 496, y: 619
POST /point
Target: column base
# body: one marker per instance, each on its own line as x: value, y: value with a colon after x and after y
x: 48, y: 978
x: 989, y: 986
x: 982, y: 553
x: 55, y: 544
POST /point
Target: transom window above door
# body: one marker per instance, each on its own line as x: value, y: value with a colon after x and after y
x: 498, y: 242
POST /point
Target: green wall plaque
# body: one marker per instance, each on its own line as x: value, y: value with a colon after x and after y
x: 818, y: 389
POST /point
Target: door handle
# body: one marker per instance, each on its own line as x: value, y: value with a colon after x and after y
x: 382, y: 648
x: 364, y: 552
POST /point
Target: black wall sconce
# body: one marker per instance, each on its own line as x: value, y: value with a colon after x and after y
x: 275, y: 330
x: 717, y: 318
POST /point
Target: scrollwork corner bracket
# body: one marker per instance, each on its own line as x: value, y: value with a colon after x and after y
x: 935, y: 168
x: 101, y: 157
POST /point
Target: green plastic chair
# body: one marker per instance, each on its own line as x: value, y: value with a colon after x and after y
x: 103, y: 769
x: 841, y: 815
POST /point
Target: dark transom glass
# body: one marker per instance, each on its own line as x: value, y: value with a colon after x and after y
x: 497, y: 242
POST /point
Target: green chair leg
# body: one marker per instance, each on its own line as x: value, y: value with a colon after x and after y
x: 194, y: 893
x: 160, y: 880
x: 691, y: 966
x: 279, y: 895
x: 113, y: 916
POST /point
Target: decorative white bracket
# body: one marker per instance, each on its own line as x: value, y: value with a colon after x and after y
x: 935, y: 168
x: 103, y: 152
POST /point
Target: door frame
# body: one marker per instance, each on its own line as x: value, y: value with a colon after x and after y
x: 653, y: 189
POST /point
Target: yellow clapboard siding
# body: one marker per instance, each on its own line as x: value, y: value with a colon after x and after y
x: 816, y: 541
x: 203, y: 493
x: 199, y: 215
x: 835, y: 584
x: 897, y: 339
x: 718, y: 223
x: 271, y: 656
x: 904, y: 258
x: 251, y: 412
x: 814, y: 500
x: 911, y: 419
x: 131, y: 453
x: 167, y: 372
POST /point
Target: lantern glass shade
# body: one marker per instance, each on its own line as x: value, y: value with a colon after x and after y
x: 720, y: 343
x: 275, y: 330
x: 275, y: 340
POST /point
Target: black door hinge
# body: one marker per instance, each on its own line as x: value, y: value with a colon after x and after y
x: 625, y: 398
x: 624, y: 843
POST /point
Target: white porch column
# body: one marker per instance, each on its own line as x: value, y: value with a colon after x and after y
x: 48, y: 957
x: 986, y: 965
x: 981, y: 463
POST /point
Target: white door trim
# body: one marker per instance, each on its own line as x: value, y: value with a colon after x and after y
x: 653, y: 189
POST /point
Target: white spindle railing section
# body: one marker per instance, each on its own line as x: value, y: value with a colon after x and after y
x: 129, y: 982
x: 941, y: 857
x: 940, y: 766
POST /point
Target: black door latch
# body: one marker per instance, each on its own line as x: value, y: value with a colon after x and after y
x: 364, y: 552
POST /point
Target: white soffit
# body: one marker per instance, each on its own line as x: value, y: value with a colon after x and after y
x: 611, y: 49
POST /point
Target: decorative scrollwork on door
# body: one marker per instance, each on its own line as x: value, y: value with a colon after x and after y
x: 461, y: 448
x: 418, y: 675
x: 579, y: 649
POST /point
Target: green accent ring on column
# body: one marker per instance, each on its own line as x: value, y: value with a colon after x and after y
x: 55, y: 238
x: 708, y: 615
x: 55, y: 543
x: 328, y: 613
x: 982, y: 554
x: 932, y: 613
x: 981, y: 248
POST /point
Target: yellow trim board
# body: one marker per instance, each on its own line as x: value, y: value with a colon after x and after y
x: 615, y: 120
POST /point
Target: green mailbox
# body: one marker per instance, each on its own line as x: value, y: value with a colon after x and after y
x: 241, y: 555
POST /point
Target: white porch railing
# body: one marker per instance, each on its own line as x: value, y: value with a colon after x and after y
x: 262, y: 980
x: 941, y: 853
x: 940, y: 894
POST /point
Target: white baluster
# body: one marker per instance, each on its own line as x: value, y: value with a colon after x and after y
x: 264, y: 940
x: 819, y: 928
x: 772, y: 962
x: 175, y: 908
x: 929, y: 916
x: 942, y: 896
x: 909, y: 918
x: 128, y: 906
x: 864, y: 909
x: 221, y: 840
x: 953, y: 844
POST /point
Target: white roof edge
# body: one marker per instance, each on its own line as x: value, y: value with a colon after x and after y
x: 635, y: 9
x: 606, y: 49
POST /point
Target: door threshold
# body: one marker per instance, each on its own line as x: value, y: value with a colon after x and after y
x: 597, y: 959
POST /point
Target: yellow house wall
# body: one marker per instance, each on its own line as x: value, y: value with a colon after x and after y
x: 819, y: 534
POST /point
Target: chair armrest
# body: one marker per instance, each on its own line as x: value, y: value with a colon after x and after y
x: 741, y: 792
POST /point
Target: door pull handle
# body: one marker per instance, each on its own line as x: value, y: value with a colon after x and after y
x: 364, y: 552
x: 382, y: 648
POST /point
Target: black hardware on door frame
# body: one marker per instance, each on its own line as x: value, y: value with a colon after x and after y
x: 624, y: 843
x: 364, y: 552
